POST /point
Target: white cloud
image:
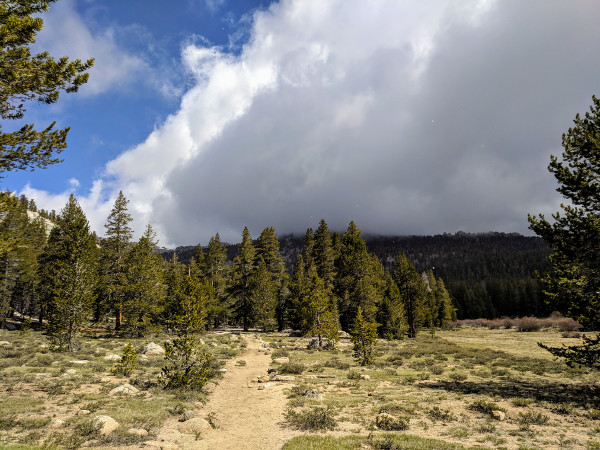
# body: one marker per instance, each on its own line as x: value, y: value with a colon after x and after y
x: 408, y: 117
x: 65, y: 33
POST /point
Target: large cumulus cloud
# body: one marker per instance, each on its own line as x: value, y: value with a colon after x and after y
x: 408, y: 117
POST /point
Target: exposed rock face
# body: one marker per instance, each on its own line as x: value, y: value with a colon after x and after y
x: 124, y: 389
x: 105, y: 424
x: 196, y: 425
x: 153, y: 349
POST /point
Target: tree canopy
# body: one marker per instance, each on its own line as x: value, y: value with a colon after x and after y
x: 31, y: 77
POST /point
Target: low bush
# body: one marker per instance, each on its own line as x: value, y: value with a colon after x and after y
x: 387, y: 422
x: 485, y: 407
x: 336, y: 363
x: 292, y: 368
x: 528, y: 324
x: 532, y: 418
x: 314, y: 419
x: 443, y: 415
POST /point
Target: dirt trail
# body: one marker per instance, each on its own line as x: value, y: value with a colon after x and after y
x: 246, y: 417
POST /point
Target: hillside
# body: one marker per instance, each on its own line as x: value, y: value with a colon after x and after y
x: 488, y: 274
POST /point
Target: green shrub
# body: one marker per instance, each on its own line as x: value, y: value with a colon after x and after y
x: 187, y: 367
x: 292, y: 368
x: 457, y: 376
x: 353, y: 375
x: 388, y: 422
x: 444, y: 415
x: 522, y: 402
x: 336, y: 363
x: 532, y: 418
x: 485, y: 407
x: 128, y: 362
x: 313, y: 419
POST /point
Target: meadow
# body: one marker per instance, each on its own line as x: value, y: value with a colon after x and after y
x: 467, y: 387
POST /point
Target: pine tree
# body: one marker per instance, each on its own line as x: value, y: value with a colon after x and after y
x: 216, y: 272
x: 390, y: 313
x: 115, y: 249
x: 299, y: 287
x: 321, y: 314
x: 145, y: 288
x: 174, y: 272
x: 307, y: 250
x: 356, y: 282
x: 412, y: 291
x: 26, y: 77
x: 70, y: 260
x: 267, y: 249
x: 323, y: 255
x: 574, y: 236
x: 364, y: 338
x: 240, y: 290
x: 264, y: 298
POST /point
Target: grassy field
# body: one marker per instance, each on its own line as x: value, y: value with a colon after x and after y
x: 469, y: 387
x: 463, y: 388
x: 47, y: 399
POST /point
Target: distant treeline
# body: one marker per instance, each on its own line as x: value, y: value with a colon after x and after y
x: 488, y: 274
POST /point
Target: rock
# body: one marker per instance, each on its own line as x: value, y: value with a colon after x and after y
x: 71, y: 371
x: 197, y: 425
x: 262, y: 379
x: 83, y: 412
x: 153, y: 349
x: 365, y: 377
x: 105, y: 424
x: 343, y: 334
x: 138, y: 431
x: 124, y: 389
x: 264, y: 345
x: 265, y: 385
x: 57, y: 423
x: 282, y: 378
x: 498, y: 415
x: 214, y: 344
x: 201, y: 341
x: 105, y: 380
x: 313, y: 344
x: 5, y: 344
x: 223, y: 370
x: 80, y: 362
x: 282, y: 360
x: 143, y: 358
x: 187, y: 415
x: 44, y: 346
x: 112, y: 357
x: 271, y: 370
x: 65, y: 375
x: 313, y: 394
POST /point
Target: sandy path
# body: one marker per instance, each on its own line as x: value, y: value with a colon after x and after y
x: 246, y: 417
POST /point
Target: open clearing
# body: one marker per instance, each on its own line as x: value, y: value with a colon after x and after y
x: 468, y: 387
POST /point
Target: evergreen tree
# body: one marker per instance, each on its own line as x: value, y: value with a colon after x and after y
x: 267, y: 249
x: 174, y: 273
x: 412, y: 291
x: 308, y: 249
x: 324, y: 256
x: 299, y: 287
x: 70, y: 260
x: 264, y: 298
x: 145, y: 291
x: 390, y: 314
x: 115, y: 249
x: 27, y: 77
x: 574, y: 236
x: 446, y: 312
x: 240, y: 290
x: 364, y: 338
x: 216, y: 272
x: 357, y: 284
x: 321, y: 314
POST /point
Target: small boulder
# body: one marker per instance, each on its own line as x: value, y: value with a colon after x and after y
x: 223, y: 370
x: 57, y: 423
x: 365, y: 377
x: 498, y: 415
x: 138, y: 431
x: 124, y: 389
x: 265, y: 385
x: 344, y: 335
x: 5, y: 344
x: 196, y: 425
x: 80, y: 362
x: 262, y: 379
x: 83, y: 412
x: 282, y: 360
x: 112, y: 357
x: 153, y: 349
x: 313, y: 394
x: 282, y: 378
x: 105, y: 424
x: 105, y: 380
x: 187, y: 415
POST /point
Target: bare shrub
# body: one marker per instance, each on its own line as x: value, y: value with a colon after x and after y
x: 528, y: 324
x: 568, y: 325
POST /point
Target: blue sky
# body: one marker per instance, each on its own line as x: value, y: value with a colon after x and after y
x: 408, y: 117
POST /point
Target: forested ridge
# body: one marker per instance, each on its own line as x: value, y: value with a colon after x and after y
x: 488, y: 274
